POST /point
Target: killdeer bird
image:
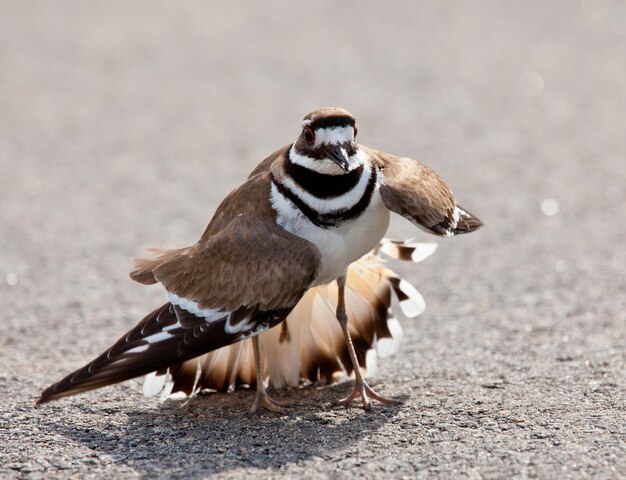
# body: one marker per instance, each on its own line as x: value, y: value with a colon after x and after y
x: 305, y: 214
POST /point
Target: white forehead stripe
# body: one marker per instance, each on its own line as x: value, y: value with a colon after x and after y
x: 333, y: 135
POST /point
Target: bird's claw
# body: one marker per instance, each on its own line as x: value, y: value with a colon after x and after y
x: 367, y: 395
x: 265, y: 401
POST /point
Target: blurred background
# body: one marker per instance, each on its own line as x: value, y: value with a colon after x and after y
x: 123, y: 125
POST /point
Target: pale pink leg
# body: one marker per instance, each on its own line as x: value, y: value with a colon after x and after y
x: 262, y: 398
x: 360, y: 385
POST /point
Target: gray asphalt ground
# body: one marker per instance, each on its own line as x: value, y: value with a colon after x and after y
x: 123, y: 124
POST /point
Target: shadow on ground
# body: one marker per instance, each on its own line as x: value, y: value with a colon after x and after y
x: 215, y: 433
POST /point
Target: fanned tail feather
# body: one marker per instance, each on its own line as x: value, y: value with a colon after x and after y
x: 309, y: 344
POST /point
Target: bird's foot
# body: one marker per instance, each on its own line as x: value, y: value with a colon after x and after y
x: 264, y: 400
x: 367, y: 395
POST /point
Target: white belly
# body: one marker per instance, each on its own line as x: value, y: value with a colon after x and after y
x: 343, y: 245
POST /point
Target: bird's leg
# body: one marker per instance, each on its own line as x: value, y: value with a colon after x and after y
x: 262, y: 398
x: 360, y: 385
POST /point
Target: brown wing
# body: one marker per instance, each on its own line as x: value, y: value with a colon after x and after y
x: 243, y: 258
x: 243, y: 277
x: 417, y: 193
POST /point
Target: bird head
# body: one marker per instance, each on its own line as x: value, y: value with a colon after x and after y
x: 327, y: 141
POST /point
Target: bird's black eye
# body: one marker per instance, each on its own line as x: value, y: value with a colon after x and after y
x: 308, y: 135
x: 355, y: 132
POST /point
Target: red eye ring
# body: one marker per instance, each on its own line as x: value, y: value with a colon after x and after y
x: 308, y: 135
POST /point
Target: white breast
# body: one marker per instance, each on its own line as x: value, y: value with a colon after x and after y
x: 339, y: 246
x: 343, y: 245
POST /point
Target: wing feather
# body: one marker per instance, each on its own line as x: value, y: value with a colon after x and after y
x: 244, y: 276
x: 417, y: 193
x: 162, y: 340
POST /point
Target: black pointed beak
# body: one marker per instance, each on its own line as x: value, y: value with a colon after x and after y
x: 338, y: 155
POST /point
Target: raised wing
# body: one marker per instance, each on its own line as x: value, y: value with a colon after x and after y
x: 417, y: 193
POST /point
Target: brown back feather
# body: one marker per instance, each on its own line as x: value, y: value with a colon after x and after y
x: 243, y: 258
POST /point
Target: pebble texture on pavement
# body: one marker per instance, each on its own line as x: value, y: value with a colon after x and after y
x: 122, y: 126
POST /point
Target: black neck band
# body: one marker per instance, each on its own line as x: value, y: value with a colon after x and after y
x: 321, y: 185
x: 336, y: 217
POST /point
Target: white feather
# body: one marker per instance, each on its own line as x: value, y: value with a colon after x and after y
x: 180, y: 395
x: 385, y: 347
x: 395, y: 328
x: 422, y: 251
x: 456, y: 216
x: 139, y: 349
x: 171, y: 327
x: 371, y: 361
x: 158, y: 337
x: 210, y: 314
x: 153, y: 384
x: 167, y: 390
x: 414, y: 305
x: 243, y: 326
